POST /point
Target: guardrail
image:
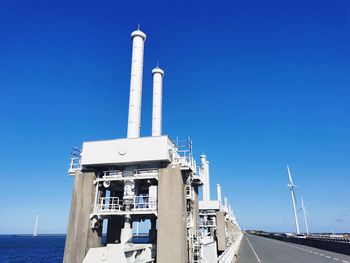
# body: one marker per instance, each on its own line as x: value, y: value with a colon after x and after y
x: 231, y: 252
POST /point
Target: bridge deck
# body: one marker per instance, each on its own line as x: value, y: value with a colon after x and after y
x: 265, y: 250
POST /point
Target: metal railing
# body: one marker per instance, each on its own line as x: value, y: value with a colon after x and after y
x: 74, y: 165
x: 146, y: 172
x: 114, y: 205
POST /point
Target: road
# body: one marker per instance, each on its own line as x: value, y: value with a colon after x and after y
x: 255, y: 249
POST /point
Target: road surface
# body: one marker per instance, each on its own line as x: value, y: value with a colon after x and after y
x: 255, y: 249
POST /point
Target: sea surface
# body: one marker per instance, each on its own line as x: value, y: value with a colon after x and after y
x: 46, y: 248
x: 43, y: 248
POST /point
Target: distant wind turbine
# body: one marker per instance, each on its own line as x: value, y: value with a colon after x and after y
x: 36, y: 225
x: 305, y: 214
x: 292, y: 186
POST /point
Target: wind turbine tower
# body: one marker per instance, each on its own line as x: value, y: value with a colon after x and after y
x: 292, y: 192
x: 305, y: 214
x: 36, y: 226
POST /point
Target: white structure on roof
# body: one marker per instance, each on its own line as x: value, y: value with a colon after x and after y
x: 157, y: 101
x: 134, y: 120
x: 204, y: 168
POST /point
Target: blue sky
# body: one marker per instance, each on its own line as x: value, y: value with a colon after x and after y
x: 256, y: 84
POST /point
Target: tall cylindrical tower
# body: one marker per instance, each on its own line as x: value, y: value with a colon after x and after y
x: 134, y: 120
x: 157, y: 101
x: 205, y: 177
x: 218, y: 193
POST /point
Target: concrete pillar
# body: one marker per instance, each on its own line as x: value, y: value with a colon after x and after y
x: 221, y: 233
x: 80, y: 237
x: 196, y: 208
x: 172, y: 233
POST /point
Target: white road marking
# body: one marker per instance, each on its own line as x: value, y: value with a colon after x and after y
x: 345, y: 261
x: 256, y: 255
x: 337, y: 259
x: 328, y: 257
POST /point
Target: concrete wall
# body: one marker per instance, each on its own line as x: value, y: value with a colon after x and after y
x: 221, y: 233
x: 171, y: 236
x: 80, y: 236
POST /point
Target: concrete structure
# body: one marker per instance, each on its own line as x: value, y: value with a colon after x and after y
x: 80, y: 237
x: 121, y: 182
x: 171, y: 216
x: 218, y: 225
x: 157, y: 101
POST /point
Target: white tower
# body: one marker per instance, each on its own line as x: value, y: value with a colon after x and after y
x: 134, y: 120
x: 205, y: 177
x: 218, y: 193
x: 157, y: 101
x: 292, y: 186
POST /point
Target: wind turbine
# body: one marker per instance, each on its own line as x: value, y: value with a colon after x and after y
x: 305, y: 214
x: 292, y: 186
x: 36, y: 225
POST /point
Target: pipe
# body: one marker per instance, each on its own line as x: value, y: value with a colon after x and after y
x: 134, y: 119
x: 157, y: 101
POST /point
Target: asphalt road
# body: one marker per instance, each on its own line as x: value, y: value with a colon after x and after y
x: 256, y: 249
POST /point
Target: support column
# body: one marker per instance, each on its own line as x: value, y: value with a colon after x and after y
x: 80, y: 237
x: 221, y: 231
x: 172, y: 233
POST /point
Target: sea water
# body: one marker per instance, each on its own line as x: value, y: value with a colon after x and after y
x: 45, y: 248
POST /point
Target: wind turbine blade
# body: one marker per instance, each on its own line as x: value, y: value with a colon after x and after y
x: 290, y: 176
x: 302, y: 201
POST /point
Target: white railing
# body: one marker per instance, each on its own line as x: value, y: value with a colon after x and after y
x: 113, y: 205
x: 144, y: 203
x: 207, y: 223
x: 112, y: 174
x: 146, y: 172
x: 74, y: 165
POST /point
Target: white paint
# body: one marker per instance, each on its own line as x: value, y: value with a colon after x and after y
x: 205, y: 177
x: 134, y: 120
x: 256, y: 255
x: 126, y: 151
x: 157, y: 101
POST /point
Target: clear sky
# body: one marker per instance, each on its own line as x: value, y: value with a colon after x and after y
x: 256, y: 84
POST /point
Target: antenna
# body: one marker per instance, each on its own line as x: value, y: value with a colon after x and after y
x: 292, y: 192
